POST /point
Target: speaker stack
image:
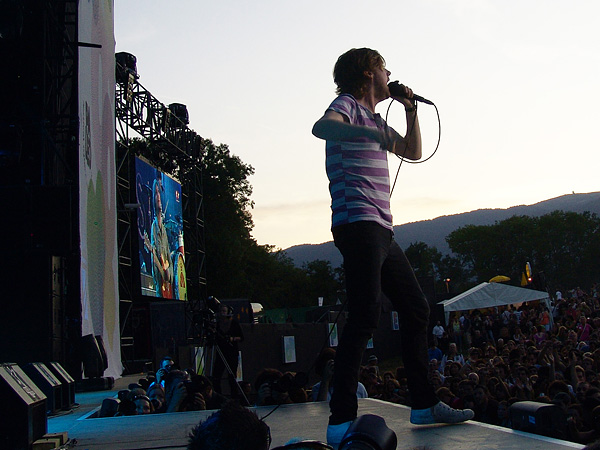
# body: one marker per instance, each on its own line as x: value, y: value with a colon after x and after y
x: 48, y: 383
x: 68, y: 384
x: 23, y: 411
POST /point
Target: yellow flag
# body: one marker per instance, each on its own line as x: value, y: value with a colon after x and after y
x: 524, y: 280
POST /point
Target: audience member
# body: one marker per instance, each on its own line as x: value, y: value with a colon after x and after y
x: 452, y: 356
x: 156, y: 394
x: 321, y: 391
x: 202, y: 384
x: 180, y: 394
x: 373, y: 362
x: 166, y: 365
x: 142, y: 405
x: 434, y: 352
x: 275, y: 388
x: 486, y: 408
x: 229, y: 335
x: 231, y: 428
x: 438, y: 333
x: 513, y: 355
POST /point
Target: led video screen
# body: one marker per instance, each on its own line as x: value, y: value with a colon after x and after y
x: 160, y: 233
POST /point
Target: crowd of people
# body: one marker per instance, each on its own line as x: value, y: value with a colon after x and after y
x: 488, y: 360
x: 484, y: 360
x: 168, y: 390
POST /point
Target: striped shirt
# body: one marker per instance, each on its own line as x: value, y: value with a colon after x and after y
x: 359, y: 179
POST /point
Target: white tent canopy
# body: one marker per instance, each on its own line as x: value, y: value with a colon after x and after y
x: 489, y: 295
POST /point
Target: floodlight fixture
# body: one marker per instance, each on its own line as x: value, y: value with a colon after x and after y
x: 126, y: 66
x: 179, y: 115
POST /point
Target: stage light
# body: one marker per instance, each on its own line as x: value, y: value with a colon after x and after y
x: 179, y: 115
x: 126, y: 65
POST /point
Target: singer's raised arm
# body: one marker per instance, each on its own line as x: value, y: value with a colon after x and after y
x: 334, y: 126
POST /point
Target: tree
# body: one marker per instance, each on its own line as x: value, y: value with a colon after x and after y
x: 429, y: 262
x: 322, y: 281
x: 450, y: 268
x: 237, y: 267
x: 562, y: 245
x: 567, y: 248
x: 274, y: 281
x: 423, y: 259
x: 227, y: 220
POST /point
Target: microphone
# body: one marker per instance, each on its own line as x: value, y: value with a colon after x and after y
x: 397, y: 90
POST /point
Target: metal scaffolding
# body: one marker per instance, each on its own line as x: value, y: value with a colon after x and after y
x: 176, y: 150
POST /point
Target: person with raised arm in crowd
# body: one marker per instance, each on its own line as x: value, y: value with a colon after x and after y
x: 357, y: 144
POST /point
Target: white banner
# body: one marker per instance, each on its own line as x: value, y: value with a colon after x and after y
x: 97, y: 180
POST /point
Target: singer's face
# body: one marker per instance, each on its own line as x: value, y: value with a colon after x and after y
x: 381, y: 80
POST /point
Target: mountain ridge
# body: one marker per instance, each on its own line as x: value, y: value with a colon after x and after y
x: 433, y: 232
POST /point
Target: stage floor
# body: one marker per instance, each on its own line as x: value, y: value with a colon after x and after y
x: 307, y: 421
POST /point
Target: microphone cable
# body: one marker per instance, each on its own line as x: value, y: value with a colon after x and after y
x: 407, y: 139
x: 402, y: 159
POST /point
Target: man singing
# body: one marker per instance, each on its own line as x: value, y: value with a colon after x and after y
x: 162, y: 269
x: 358, y: 140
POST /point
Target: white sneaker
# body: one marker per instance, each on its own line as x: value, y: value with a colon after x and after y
x: 440, y: 413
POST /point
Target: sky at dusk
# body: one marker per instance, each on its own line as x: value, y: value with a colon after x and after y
x: 516, y: 84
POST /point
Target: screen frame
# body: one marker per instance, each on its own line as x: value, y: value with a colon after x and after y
x: 147, y: 179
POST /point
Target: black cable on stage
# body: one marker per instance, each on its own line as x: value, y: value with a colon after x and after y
x: 437, y: 146
x: 407, y: 138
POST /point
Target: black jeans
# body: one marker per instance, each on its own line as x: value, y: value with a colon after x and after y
x: 374, y: 263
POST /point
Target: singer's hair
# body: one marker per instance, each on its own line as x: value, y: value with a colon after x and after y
x: 156, y: 190
x: 233, y: 427
x: 350, y: 68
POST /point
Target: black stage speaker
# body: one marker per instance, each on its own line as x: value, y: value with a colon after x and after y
x: 94, y: 364
x: 48, y: 383
x: 23, y: 417
x: 68, y: 384
x: 93, y: 356
x: 539, y: 418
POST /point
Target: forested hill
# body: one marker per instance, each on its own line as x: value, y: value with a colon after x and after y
x: 433, y: 232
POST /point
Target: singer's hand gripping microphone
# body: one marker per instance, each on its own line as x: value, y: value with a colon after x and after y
x: 397, y: 90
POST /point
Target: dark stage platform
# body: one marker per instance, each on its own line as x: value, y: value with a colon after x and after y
x: 308, y: 421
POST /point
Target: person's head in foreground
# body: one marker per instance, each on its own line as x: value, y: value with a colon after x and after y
x: 231, y: 428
